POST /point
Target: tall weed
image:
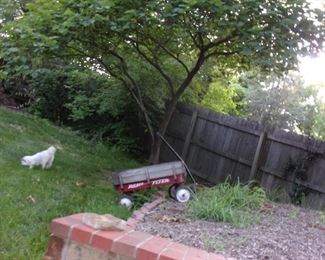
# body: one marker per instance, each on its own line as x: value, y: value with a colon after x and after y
x: 234, y: 204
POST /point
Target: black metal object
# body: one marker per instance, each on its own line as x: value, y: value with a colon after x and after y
x: 178, y: 156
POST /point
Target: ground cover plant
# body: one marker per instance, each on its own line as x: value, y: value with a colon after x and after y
x: 235, y: 204
x: 77, y: 182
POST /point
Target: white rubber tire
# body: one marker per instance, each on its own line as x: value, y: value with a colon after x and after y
x: 126, y: 202
x: 182, y: 194
x: 172, y: 191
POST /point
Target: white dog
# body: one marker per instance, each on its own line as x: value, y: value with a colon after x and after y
x: 44, y: 158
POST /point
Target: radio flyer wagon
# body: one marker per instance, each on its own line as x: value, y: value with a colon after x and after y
x: 172, y: 174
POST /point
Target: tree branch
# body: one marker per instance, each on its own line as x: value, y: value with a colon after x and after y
x: 156, y: 66
x: 220, y: 41
x: 194, y: 40
x: 200, y: 60
x: 138, y: 98
x: 221, y: 53
x: 169, y: 52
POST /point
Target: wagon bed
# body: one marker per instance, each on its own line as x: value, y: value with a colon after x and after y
x: 149, y: 176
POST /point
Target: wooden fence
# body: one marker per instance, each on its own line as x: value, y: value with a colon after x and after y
x: 216, y: 146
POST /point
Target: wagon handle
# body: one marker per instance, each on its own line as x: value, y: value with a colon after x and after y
x: 178, y: 156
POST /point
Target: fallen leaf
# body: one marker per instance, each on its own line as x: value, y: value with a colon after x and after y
x: 268, y: 205
x: 168, y: 219
x: 80, y: 184
x: 316, y: 225
x: 31, y: 199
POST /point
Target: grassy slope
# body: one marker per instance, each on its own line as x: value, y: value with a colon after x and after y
x: 30, y: 199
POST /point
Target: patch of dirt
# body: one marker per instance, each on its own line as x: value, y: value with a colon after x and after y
x: 283, y: 232
x: 6, y: 101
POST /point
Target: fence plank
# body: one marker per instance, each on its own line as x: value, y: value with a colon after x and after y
x: 189, y: 135
x: 277, y: 174
x: 257, y: 156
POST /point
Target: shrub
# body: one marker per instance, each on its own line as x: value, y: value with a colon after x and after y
x: 89, y: 103
x: 228, y: 203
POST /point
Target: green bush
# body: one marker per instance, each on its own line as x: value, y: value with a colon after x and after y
x: 228, y: 203
x: 49, y: 94
x: 89, y: 103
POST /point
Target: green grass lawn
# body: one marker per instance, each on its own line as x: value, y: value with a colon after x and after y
x: 30, y: 199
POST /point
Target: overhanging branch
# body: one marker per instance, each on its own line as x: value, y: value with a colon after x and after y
x: 221, y: 53
x: 156, y: 66
x: 167, y: 51
x: 220, y: 41
x: 130, y: 87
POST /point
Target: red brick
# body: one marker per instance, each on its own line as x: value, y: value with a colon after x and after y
x: 132, y: 222
x: 172, y: 254
x: 61, y: 226
x: 137, y: 215
x: 196, y: 254
x: 104, y: 239
x: 54, y: 249
x: 143, y: 210
x: 174, y: 251
x: 152, y: 248
x: 81, y: 233
x: 178, y: 246
x: 127, y: 244
x: 150, y: 205
x: 156, y: 202
x: 216, y: 257
x: 146, y: 205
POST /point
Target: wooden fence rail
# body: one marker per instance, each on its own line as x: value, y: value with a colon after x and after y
x: 216, y: 146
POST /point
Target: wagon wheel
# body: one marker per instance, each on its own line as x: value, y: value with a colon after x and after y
x: 183, y: 194
x: 126, y: 201
x: 172, y: 191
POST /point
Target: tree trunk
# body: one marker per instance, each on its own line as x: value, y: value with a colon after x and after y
x: 155, y: 147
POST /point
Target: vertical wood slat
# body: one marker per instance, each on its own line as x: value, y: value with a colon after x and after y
x: 257, y: 156
x: 189, y: 135
x: 216, y: 145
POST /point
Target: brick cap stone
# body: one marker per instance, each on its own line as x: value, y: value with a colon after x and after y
x: 104, y: 222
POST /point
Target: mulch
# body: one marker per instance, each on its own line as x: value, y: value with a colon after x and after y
x: 283, y: 232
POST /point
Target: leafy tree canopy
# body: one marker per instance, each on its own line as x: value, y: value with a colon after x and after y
x: 11, y: 9
x: 174, y: 37
x: 221, y: 97
x: 283, y: 102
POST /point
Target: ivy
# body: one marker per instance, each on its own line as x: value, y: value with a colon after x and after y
x: 298, y: 169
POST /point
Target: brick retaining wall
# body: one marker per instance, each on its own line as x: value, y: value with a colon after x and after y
x: 72, y: 240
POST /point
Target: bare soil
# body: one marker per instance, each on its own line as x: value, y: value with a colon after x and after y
x: 283, y: 232
x: 5, y: 100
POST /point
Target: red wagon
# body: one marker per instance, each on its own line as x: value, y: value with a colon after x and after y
x: 172, y: 174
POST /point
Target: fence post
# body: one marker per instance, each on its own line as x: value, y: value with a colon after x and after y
x: 189, y: 135
x: 257, y: 156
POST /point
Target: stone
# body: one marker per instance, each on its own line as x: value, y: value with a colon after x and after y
x: 104, y: 222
